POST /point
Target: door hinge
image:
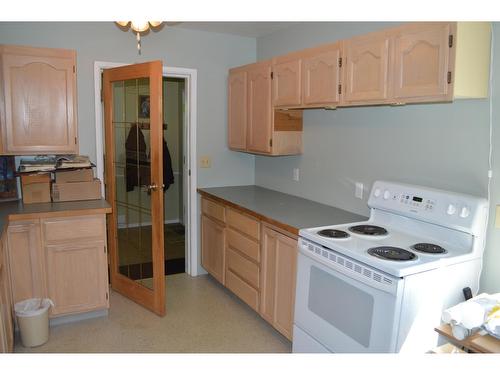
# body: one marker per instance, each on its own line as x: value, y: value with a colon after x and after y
x: 340, y: 89
x: 340, y: 62
x: 75, y: 140
x: 104, y: 249
x: 74, y: 69
x: 189, y: 172
x: 450, y: 40
x: 271, y: 142
x: 107, y: 296
x: 449, y: 77
x: 272, y: 75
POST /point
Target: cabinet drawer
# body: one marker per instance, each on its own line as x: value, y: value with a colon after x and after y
x: 243, y: 290
x: 74, y: 228
x: 243, y: 223
x: 214, y: 210
x: 244, y: 268
x: 245, y: 245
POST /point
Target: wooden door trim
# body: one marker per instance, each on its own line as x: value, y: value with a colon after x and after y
x: 151, y: 299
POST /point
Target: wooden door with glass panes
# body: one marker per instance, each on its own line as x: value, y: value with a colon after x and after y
x: 133, y: 176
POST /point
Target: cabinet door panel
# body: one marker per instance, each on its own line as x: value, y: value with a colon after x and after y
x: 237, y: 110
x: 40, y: 102
x: 77, y: 277
x: 422, y: 61
x: 286, y: 266
x: 26, y: 261
x: 259, y: 109
x: 366, y: 71
x: 321, y: 78
x: 279, y: 263
x: 287, y: 83
x: 213, y: 242
x: 6, y: 316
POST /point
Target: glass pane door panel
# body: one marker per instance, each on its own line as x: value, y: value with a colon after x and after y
x: 132, y: 171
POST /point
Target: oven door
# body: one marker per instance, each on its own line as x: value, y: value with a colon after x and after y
x: 340, y: 307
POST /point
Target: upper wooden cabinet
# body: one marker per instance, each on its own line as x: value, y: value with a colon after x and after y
x: 366, y: 72
x: 259, y: 131
x: 37, y: 101
x: 321, y: 76
x: 287, y: 81
x: 423, y: 61
x: 237, y: 110
x: 253, y: 125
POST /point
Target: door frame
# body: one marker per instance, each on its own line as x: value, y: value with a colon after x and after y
x: 189, y: 169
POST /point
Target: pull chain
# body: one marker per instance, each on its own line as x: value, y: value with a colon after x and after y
x: 138, y: 43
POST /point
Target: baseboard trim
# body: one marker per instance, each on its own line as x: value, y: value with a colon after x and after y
x: 135, y: 225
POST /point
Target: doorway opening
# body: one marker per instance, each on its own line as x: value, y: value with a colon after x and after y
x: 181, y: 226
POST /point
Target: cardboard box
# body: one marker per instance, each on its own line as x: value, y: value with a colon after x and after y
x: 36, y: 187
x: 78, y: 175
x: 76, y: 191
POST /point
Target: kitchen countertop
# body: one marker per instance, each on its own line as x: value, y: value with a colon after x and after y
x: 16, y: 210
x: 289, y: 212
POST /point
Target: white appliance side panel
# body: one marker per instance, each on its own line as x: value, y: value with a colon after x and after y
x: 425, y: 297
x: 303, y: 343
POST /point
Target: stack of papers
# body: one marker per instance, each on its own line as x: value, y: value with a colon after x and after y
x: 49, y: 164
x: 38, y: 165
x: 73, y: 161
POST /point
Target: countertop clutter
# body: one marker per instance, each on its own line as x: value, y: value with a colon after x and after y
x: 286, y: 211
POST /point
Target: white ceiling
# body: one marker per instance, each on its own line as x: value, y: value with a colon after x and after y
x: 248, y: 29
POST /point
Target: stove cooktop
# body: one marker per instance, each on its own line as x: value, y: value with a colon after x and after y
x: 420, y: 252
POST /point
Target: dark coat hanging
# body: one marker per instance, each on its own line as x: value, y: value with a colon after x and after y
x: 137, y: 165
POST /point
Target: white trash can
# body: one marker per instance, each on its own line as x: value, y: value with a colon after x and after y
x: 33, y: 320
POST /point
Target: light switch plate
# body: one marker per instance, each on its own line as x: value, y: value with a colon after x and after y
x: 296, y: 175
x: 205, y: 162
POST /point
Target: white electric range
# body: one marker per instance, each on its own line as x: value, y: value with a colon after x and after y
x: 381, y: 285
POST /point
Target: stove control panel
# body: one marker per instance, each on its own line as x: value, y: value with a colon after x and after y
x: 454, y: 210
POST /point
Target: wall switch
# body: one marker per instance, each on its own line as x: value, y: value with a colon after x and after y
x: 358, y: 193
x: 205, y: 162
x: 295, y: 174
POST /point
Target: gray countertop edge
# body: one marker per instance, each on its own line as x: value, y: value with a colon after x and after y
x: 12, y: 209
x: 288, y: 211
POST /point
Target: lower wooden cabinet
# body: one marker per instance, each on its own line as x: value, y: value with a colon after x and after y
x: 61, y: 258
x: 257, y: 263
x: 26, y: 260
x: 6, y: 315
x: 213, y: 243
x: 77, y: 277
x: 277, y: 293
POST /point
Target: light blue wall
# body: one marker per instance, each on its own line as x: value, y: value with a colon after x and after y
x: 440, y: 145
x: 211, y: 54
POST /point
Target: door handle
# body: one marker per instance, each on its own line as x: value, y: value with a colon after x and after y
x: 152, y: 187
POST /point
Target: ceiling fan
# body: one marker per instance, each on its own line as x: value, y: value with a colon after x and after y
x: 143, y: 26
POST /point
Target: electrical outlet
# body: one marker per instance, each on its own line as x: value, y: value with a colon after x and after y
x: 358, y: 192
x: 205, y: 162
x: 296, y: 174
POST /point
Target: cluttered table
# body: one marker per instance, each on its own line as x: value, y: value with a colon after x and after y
x: 477, y: 343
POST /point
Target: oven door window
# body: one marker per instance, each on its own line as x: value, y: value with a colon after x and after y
x: 342, y: 313
x: 350, y: 311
